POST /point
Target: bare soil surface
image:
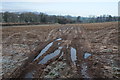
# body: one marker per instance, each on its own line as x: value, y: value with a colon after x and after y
x: 61, y: 51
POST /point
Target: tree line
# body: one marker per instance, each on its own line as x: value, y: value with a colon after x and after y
x: 32, y: 17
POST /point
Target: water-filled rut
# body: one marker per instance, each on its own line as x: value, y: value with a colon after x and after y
x: 61, y: 48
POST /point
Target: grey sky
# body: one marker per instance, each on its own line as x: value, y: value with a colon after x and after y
x: 64, y: 8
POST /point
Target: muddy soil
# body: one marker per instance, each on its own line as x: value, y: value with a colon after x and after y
x: 21, y: 43
x: 68, y: 51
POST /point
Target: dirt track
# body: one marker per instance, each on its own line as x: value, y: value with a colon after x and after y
x: 74, y: 51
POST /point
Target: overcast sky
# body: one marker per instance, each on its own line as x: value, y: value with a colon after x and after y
x: 63, y: 7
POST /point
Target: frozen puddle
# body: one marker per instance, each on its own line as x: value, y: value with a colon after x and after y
x: 85, y: 67
x: 30, y: 74
x: 84, y: 71
x: 58, y: 43
x: 44, y: 50
x: 61, y: 55
x: 50, y: 56
x: 73, y: 55
x: 58, y: 39
x: 86, y: 55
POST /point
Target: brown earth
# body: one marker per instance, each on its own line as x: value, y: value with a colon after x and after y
x: 64, y: 51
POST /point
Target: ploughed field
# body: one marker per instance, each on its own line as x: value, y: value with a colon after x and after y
x: 61, y: 51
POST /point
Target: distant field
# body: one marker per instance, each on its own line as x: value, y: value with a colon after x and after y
x: 49, y: 27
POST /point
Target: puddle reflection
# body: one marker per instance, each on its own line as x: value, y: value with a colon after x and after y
x: 73, y: 55
x: 50, y: 56
x: 44, y: 50
x: 86, y: 55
